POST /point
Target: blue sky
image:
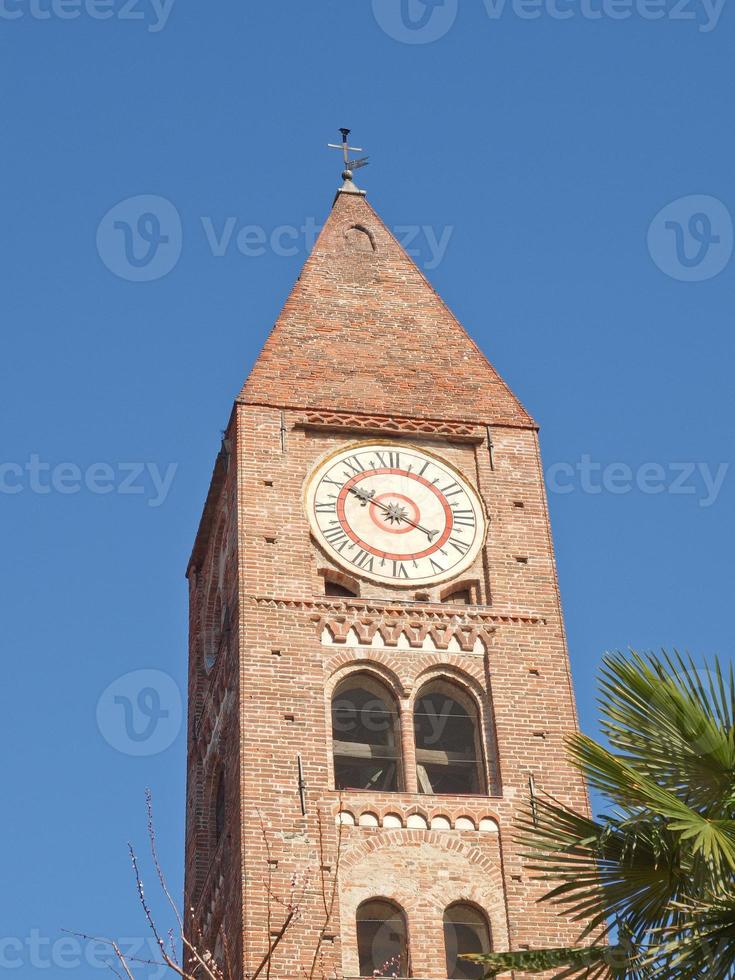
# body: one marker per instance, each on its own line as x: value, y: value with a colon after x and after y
x: 563, y: 170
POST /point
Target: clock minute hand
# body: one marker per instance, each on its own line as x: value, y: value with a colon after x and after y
x: 429, y: 534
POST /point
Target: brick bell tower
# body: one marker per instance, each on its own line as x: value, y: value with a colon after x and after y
x: 378, y: 669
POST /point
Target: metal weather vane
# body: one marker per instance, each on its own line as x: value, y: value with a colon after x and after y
x: 350, y: 165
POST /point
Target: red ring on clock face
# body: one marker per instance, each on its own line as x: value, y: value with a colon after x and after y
x: 378, y: 516
x: 365, y: 545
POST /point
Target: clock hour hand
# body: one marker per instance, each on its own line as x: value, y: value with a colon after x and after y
x: 364, y: 496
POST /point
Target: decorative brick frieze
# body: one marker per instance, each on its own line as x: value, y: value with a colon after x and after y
x: 437, y: 615
x: 387, y: 425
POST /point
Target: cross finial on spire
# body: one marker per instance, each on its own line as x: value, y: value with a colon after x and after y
x: 350, y: 165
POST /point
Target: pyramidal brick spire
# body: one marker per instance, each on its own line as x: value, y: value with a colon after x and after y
x: 363, y: 330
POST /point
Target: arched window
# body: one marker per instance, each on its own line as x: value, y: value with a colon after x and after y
x: 216, y: 633
x: 382, y: 939
x: 219, y: 809
x: 449, y: 757
x: 466, y: 930
x: 334, y: 588
x: 365, y: 736
x: 462, y: 597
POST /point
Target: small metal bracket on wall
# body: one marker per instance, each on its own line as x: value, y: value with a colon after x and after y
x: 534, y: 799
x: 283, y: 432
x: 302, y: 786
x: 491, y: 448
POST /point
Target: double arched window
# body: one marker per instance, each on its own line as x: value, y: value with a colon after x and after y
x: 366, y: 733
x: 466, y: 930
x: 382, y: 939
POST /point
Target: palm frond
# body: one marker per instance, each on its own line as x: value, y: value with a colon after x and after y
x: 605, y: 871
x: 711, y: 836
x: 659, y: 870
x: 672, y: 721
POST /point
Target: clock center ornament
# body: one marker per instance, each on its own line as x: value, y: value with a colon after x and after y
x: 395, y: 514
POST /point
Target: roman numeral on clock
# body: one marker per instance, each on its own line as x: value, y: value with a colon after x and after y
x: 390, y: 460
x: 354, y: 465
x: 461, y: 547
x: 400, y: 570
x: 336, y: 538
x: 363, y: 560
x: 465, y: 517
x: 326, y: 508
x: 451, y: 490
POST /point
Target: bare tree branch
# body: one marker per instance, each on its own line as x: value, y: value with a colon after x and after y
x: 154, y: 854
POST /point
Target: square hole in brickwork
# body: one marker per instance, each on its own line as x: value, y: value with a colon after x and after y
x: 267, y: 483
x: 276, y: 653
x: 518, y: 504
x: 290, y: 718
x: 522, y: 559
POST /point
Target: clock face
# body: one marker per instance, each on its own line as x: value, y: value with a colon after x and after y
x: 395, y: 514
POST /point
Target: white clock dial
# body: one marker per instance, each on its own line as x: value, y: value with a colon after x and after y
x: 395, y: 514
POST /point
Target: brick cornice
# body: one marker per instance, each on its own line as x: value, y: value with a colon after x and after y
x: 327, y: 418
x: 397, y: 425
x: 424, y: 613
